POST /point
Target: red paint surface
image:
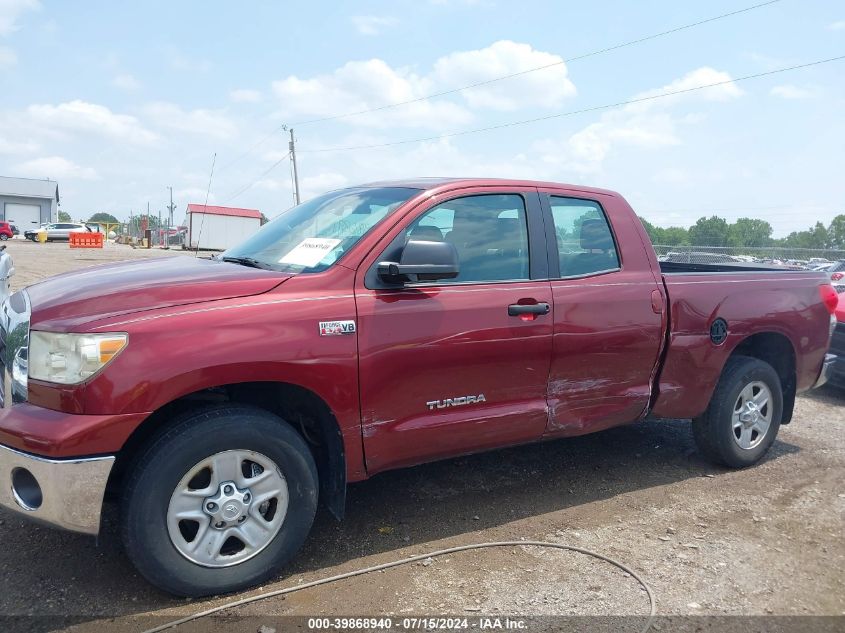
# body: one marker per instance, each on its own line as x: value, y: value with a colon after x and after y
x: 230, y: 211
x: 592, y: 363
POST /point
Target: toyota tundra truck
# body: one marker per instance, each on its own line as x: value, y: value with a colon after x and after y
x: 219, y: 400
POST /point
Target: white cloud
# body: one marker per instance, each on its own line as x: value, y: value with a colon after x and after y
x: 127, y: 82
x: 10, y: 10
x: 839, y: 25
x: 366, y: 84
x: 8, y: 57
x: 55, y: 167
x: 245, y: 95
x: 194, y: 194
x: 204, y: 122
x: 546, y: 88
x: 363, y: 85
x: 181, y: 62
x: 7, y: 146
x: 788, y: 91
x: 324, y: 181
x: 372, y: 24
x: 644, y: 125
x: 81, y: 116
x: 688, y: 89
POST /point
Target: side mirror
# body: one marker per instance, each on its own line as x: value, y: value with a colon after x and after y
x: 422, y: 261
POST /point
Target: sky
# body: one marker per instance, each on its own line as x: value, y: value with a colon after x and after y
x: 117, y: 101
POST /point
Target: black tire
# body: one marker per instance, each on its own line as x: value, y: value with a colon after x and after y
x: 158, y: 469
x: 713, y: 431
x: 4, y: 237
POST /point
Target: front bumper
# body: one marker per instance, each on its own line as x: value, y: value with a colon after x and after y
x: 65, y: 493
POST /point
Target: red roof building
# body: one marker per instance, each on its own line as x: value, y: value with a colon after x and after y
x: 219, y: 228
x: 231, y: 211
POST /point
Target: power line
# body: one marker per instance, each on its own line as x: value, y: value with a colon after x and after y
x: 535, y: 69
x: 396, y: 104
x: 572, y: 112
x: 252, y: 183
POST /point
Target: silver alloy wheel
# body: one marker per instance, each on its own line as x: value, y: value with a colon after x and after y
x: 752, y: 415
x: 227, y: 508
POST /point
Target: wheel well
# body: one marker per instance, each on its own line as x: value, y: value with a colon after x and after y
x: 305, y: 411
x: 776, y: 350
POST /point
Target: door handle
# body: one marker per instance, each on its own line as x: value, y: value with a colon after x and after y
x: 518, y: 309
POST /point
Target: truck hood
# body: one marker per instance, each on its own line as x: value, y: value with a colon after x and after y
x: 103, y: 291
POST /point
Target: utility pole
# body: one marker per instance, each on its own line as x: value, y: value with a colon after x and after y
x: 292, y: 147
x: 170, y: 208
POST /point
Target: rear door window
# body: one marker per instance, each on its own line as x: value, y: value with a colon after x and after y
x: 584, y: 240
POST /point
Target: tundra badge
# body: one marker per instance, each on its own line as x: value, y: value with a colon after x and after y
x: 331, y: 328
x: 456, y: 402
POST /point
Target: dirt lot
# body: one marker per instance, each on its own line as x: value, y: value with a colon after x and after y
x: 767, y: 540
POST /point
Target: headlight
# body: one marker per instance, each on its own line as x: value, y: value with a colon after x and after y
x: 71, y: 358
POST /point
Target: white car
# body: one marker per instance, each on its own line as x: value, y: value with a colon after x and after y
x: 61, y: 230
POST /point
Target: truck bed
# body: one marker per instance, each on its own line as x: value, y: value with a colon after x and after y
x: 668, y: 268
x: 782, y: 303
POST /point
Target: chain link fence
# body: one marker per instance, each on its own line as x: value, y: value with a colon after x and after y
x: 774, y: 255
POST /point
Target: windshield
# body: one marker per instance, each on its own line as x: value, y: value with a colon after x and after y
x: 314, y: 235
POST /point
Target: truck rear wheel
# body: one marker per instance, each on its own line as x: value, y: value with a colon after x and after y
x: 744, y: 414
x: 219, y: 502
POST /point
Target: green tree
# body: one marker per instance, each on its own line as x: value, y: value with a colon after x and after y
x: 820, y: 236
x: 64, y: 216
x: 676, y: 236
x: 712, y: 231
x: 750, y: 232
x: 836, y: 232
x: 103, y: 217
x: 655, y: 233
x: 816, y: 237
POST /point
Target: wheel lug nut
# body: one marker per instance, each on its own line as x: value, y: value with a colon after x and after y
x: 228, y: 490
x: 247, y: 498
x: 219, y: 524
x: 242, y: 519
x: 211, y: 507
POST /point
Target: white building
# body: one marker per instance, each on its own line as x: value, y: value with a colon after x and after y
x: 219, y: 228
x: 27, y: 203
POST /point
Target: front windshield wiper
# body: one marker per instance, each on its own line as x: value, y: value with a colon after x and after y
x: 249, y: 261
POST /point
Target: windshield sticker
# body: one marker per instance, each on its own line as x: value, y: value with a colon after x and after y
x: 309, y: 252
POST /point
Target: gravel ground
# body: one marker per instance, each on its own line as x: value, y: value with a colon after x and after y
x: 709, y: 541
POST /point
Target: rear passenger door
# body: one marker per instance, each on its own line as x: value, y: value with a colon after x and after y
x: 608, y: 325
x: 458, y: 365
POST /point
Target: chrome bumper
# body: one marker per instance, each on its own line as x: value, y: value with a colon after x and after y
x: 827, y: 368
x: 65, y: 493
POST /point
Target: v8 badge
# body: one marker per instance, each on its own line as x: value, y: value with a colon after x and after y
x: 332, y: 328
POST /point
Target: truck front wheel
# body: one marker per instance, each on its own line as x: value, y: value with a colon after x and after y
x: 744, y: 414
x: 219, y: 502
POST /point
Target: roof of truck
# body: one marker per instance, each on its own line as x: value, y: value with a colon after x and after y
x: 436, y: 183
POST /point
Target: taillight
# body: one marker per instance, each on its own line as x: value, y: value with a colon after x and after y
x: 837, y: 276
x: 829, y: 297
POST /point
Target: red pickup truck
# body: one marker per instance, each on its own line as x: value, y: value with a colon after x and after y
x: 372, y: 328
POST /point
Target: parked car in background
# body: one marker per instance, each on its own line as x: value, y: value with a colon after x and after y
x: 837, y: 276
x: 6, y: 231
x: 32, y: 234
x: 695, y: 257
x: 837, y: 346
x: 58, y: 231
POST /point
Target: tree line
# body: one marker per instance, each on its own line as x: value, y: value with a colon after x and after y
x: 747, y: 232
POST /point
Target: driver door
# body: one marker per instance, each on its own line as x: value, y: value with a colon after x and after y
x: 458, y: 365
